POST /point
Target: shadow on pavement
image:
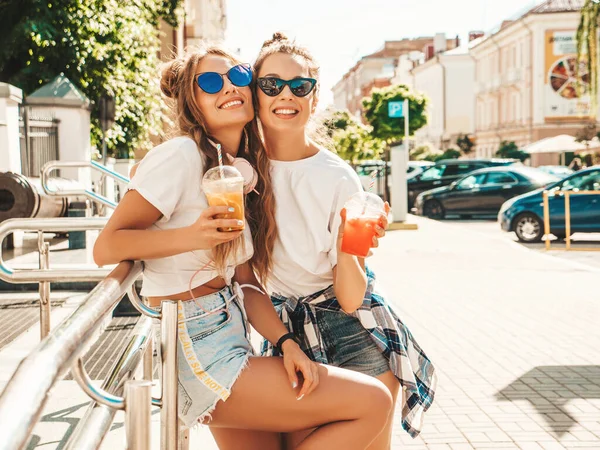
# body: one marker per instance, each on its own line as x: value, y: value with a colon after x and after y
x: 550, y: 388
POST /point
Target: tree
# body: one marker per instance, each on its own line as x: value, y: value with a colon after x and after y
x: 587, y: 46
x: 339, y: 119
x: 103, y: 47
x: 465, y: 144
x: 392, y: 129
x: 355, y: 143
x: 348, y: 137
x: 509, y: 149
x: 451, y: 153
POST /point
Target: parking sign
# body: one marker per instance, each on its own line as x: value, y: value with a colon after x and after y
x: 395, y: 109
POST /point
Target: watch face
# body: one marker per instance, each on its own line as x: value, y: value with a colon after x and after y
x: 566, y: 80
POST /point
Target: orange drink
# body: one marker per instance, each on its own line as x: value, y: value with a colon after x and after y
x: 224, y: 186
x: 363, y: 212
x: 231, y: 199
x: 358, y: 235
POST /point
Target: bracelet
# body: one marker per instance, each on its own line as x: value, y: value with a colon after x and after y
x: 284, y: 338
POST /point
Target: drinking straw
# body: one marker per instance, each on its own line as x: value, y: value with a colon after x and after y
x: 220, y: 155
x: 372, y: 183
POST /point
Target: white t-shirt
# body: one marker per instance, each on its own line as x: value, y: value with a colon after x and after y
x: 170, y: 178
x: 310, y: 194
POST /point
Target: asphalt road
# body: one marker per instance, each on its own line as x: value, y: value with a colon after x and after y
x: 580, y: 242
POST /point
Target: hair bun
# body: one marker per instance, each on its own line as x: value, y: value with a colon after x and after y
x: 169, y: 82
x: 277, y: 37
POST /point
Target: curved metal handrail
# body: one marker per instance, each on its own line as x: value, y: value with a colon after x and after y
x: 141, y: 306
x: 50, y: 225
x: 97, y: 420
x: 47, y: 363
x: 54, y: 165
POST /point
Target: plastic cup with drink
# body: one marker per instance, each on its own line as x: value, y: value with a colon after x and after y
x: 224, y: 186
x: 363, y: 215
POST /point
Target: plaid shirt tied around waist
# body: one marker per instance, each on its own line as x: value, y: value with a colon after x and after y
x: 407, y: 360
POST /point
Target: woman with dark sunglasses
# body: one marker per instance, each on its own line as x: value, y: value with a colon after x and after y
x: 165, y: 221
x: 327, y: 298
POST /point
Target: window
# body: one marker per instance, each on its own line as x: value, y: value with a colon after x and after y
x: 433, y: 173
x: 500, y: 178
x: 585, y: 182
x: 460, y: 169
x: 470, y: 181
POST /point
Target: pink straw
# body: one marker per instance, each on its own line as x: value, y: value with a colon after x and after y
x: 220, y: 155
x: 372, y: 183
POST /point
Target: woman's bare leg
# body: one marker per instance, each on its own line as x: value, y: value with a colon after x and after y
x: 350, y: 409
x: 236, y: 439
x: 384, y: 440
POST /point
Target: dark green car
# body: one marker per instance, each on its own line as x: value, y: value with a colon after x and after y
x: 482, y: 192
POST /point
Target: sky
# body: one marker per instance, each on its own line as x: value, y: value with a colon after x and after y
x: 340, y: 32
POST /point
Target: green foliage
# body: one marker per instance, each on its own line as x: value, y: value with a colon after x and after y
x: 104, y: 46
x: 355, y: 143
x: 465, y: 144
x: 339, y: 120
x: 509, y: 149
x: 392, y: 129
x: 425, y: 152
x: 451, y: 153
x: 587, y: 38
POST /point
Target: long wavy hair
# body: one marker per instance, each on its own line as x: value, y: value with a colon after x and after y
x: 177, y: 83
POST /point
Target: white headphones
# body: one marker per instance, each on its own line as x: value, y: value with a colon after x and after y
x: 244, y: 167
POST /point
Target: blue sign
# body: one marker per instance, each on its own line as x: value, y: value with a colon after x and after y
x: 395, y: 109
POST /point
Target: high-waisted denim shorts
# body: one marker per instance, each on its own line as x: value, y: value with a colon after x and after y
x: 212, y: 350
x: 348, y: 345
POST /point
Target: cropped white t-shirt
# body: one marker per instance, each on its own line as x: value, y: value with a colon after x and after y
x: 170, y: 178
x: 310, y: 194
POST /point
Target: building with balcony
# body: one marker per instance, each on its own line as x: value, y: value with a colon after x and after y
x: 526, y: 80
x: 379, y: 70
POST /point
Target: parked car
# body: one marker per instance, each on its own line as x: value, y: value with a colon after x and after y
x: 525, y: 214
x: 559, y: 171
x: 417, y: 167
x: 482, y: 192
x: 444, y: 172
x: 366, y: 168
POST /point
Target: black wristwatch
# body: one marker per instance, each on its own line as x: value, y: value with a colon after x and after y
x: 284, y: 338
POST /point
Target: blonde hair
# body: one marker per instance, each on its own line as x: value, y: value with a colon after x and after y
x: 177, y: 83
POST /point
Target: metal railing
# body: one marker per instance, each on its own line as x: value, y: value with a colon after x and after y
x: 24, y: 397
x: 44, y: 275
x: 567, y: 196
x: 90, y: 194
x: 30, y: 385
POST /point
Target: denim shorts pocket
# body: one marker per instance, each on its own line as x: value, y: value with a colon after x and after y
x: 205, y: 325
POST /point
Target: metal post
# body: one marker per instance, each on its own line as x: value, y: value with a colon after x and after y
x: 546, y: 219
x: 44, y: 250
x: 568, y: 219
x: 148, y: 373
x: 138, y: 404
x: 169, y: 427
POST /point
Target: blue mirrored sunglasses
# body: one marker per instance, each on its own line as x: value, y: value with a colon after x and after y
x: 212, y: 82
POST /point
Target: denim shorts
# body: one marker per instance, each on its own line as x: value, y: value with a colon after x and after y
x: 212, y: 350
x: 348, y: 345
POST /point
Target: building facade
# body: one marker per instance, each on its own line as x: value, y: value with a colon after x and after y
x: 526, y: 80
x: 447, y: 80
x: 204, y: 20
x: 378, y: 70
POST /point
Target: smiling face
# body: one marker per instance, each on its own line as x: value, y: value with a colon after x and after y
x: 231, y: 106
x: 285, y: 111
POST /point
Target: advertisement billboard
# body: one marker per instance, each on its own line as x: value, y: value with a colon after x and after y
x: 566, y: 89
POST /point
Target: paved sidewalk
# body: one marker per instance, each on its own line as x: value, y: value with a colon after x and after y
x: 513, y: 333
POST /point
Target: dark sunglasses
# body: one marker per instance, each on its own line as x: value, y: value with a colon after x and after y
x: 212, y: 82
x: 300, y: 87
